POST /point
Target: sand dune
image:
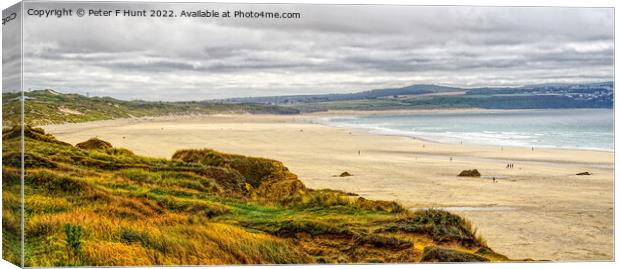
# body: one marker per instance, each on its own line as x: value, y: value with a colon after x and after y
x: 539, y: 209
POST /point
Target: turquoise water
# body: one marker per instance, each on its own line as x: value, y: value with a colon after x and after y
x: 555, y: 128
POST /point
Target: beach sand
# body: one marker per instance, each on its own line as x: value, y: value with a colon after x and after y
x: 539, y: 209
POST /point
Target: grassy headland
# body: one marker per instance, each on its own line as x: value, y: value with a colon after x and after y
x: 49, y: 107
x: 93, y: 204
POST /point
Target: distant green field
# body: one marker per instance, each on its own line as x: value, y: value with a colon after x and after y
x: 547, y: 96
x: 487, y: 101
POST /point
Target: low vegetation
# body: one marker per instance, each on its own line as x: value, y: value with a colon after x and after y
x: 548, y: 96
x: 438, y: 254
x: 96, y: 205
x: 49, y: 107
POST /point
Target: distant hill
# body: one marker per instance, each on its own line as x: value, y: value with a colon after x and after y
x: 48, y: 106
x: 372, y: 94
x: 587, y: 95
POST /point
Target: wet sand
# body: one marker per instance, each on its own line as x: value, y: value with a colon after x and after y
x: 539, y: 209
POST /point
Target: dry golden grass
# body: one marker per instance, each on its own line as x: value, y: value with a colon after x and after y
x: 109, y: 207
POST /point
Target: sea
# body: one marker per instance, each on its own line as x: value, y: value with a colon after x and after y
x: 591, y: 129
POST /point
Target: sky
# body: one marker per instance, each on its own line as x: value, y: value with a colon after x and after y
x: 330, y: 49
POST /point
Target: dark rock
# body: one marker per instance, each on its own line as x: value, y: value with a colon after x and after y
x: 584, y: 174
x: 345, y: 174
x: 470, y: 173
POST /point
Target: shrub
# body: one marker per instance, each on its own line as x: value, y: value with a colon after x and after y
x: 489, y: 253
x: 32, y: 133
x: 254, y: 170
x: 11, y: 222
x: 74, y: 241
x: 36, y: 203
x: 440, y: 225
x: 10, y: 176
x: 31, y: 160
x: 378, y: 205
x: 380, y: 241
x: 104, y: 253
x: 94, y: 144
x: 51, y: 182
x: 129, y: 236
x: 289, y: 228
x: 437, y: 254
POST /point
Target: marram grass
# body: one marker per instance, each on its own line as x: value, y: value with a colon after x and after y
x: 96, y: 205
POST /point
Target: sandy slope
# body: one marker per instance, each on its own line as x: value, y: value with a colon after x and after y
x: 540, y: 209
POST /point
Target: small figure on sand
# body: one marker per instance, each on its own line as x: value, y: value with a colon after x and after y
x: 532, y: 148
x: 494, y: 181
x: 359, y: 152
x: 510, y: 165
x: 450, y: 158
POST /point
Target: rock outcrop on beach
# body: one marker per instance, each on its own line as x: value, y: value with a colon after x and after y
x: 345, y: 174
x: 469, y: 173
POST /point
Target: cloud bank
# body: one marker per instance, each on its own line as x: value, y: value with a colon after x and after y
x: 329, y: 49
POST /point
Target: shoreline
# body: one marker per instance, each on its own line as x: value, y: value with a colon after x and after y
x: 433, y: 110
x: 315, y: 118
x: 430, y: 140
x: 323, y: 119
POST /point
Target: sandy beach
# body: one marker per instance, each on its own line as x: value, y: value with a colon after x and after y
x: 539, y: 209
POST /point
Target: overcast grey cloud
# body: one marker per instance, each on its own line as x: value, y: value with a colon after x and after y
x: 11, y: 50
x: 330, y: 49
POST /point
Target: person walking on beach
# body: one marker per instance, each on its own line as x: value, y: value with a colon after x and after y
x: 494, y: 180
